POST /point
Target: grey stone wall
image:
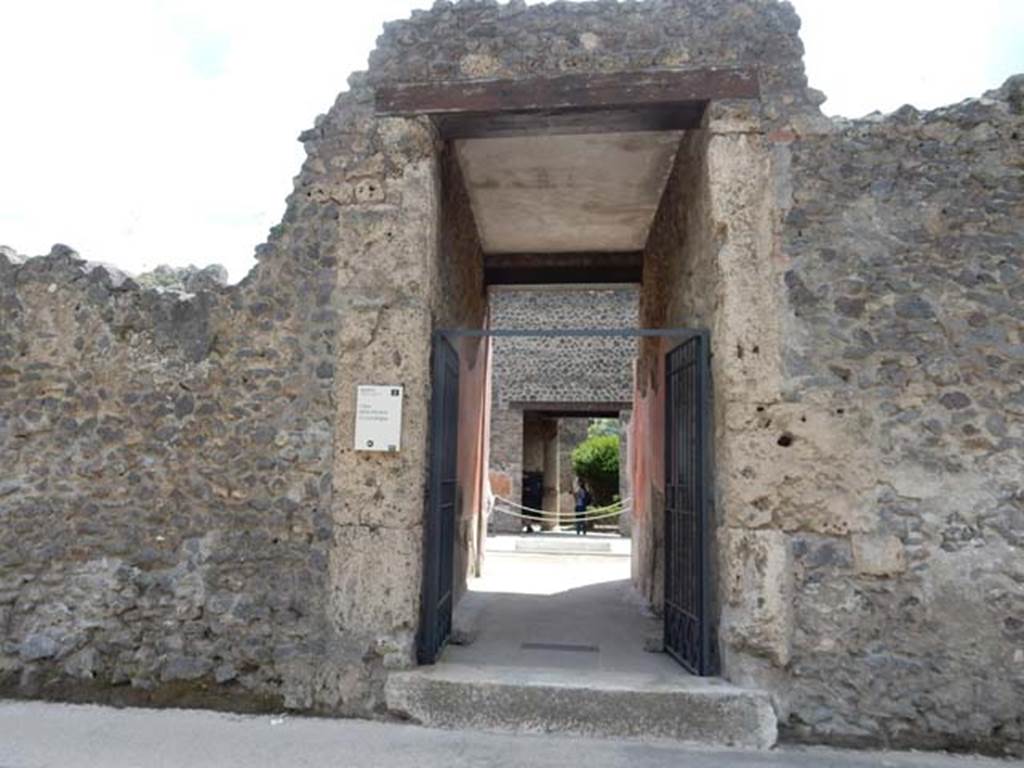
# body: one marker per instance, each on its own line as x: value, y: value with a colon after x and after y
x: 904, y: 361
x: 383, y: 181
x: 867, y: 344
x: 166, y: 484
x: 562, y: 369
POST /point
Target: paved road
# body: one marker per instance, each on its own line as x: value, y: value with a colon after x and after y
x: 39, y: 735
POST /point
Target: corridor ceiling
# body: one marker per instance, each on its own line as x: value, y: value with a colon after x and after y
x: 566, y: 193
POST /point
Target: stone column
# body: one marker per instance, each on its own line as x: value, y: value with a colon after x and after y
x: 571, y: 432
x: 551, y: 471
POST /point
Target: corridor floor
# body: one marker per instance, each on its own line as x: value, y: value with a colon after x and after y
x: 559, y: 601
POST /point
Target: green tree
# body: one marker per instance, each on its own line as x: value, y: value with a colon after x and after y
x: 596, y: 462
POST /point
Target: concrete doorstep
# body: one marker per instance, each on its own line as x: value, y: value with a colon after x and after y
x: 43, y: 735
x: 695, y: 710
x: 548, y: 644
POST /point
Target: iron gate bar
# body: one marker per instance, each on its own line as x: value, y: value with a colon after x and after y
x: 687, y: 610
x: 439, y: 523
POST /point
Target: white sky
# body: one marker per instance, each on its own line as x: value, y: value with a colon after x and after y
x: 142, y: 132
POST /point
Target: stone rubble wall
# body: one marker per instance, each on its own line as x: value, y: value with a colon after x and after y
x: 166, y: 484
x: 902, y: 416
x: 560, y: 368
x: 392, y: 203
x: 184, y: 518
x: 188, y: 279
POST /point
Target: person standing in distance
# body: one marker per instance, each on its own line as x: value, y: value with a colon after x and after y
x: 583, y: 499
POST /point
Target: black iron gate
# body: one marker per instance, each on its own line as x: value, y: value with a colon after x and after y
x: 439, y: 523
x: 688, y: 630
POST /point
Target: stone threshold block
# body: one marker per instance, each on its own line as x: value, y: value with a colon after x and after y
x: 703, y: 711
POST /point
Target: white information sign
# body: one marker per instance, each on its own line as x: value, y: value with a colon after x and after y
x: 378, y: 418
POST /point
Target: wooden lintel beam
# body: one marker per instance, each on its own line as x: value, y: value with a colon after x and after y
x: 562, y: 268
x: 491, y: 125
x: 569, y: 92
x: 572, y: 410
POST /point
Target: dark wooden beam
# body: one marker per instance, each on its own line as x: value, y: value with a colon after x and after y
x: 559, y: 409
x: 490, y: 125
x: 561, y: 268
x: 575, y: 92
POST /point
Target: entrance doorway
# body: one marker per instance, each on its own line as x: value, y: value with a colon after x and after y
x: 604, y: 181
x: 686, y: 631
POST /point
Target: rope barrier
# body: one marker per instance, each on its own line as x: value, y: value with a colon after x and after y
x: 560, y: 522
x: 620, y: 503
x: 565, y: 517
x: 568, y: 517
x: 566, y: 520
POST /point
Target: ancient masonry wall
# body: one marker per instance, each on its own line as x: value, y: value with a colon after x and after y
x: 487, y: 39
x: 184, y: 518
x: 563, y: 369
x: 904, y: 366
x: 165, y: 512
x: 862, y: 289
x: 348, y: 290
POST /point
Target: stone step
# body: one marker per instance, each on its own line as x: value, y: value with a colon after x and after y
x: 704, y: 711
x: 564, y: 547
x: 559, y: 543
